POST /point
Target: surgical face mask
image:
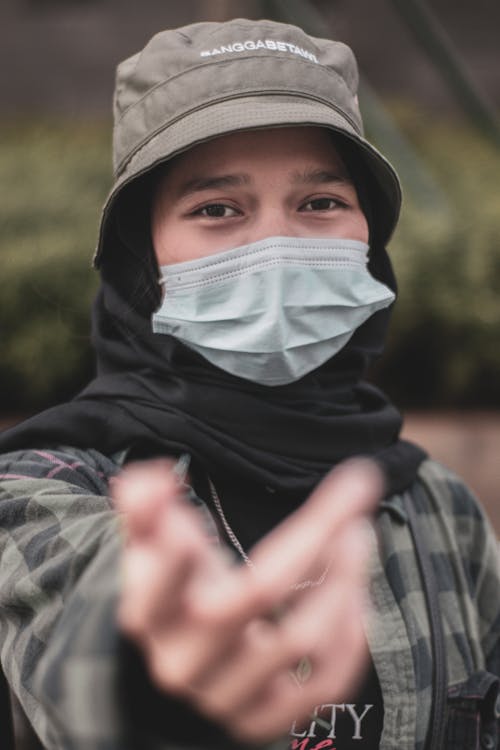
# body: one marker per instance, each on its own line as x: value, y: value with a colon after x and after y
x: 274, y: 310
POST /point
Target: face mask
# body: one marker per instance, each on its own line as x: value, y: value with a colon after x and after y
x: 274, y: 310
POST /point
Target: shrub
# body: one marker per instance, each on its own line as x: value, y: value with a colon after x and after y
x: 442, y: 349
x: 54, y: 177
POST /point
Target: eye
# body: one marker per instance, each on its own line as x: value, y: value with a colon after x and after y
x: 320, y: 204
x: 217, y: 211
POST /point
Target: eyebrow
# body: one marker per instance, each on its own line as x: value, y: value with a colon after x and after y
x: 307, y: 177
x: 198, y: 184
x: 319, y: 177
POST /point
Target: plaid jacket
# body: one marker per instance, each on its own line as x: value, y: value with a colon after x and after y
x: 65, y: 660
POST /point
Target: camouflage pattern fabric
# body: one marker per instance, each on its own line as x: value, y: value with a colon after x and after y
x: 65, y: 660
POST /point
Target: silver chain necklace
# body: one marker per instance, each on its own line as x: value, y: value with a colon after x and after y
x: 238, y: 547
x: 303, y: 670
x: 230, y: 533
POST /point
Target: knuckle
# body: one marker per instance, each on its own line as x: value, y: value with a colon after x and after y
x: 170, y: 672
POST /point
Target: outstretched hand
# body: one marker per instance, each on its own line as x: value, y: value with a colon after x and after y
x: 229, y: 638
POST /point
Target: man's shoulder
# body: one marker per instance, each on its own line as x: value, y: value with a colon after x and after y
x: 86, y: 468
x: 447, y: 491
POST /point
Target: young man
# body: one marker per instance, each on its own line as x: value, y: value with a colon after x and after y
x: 245, y: 288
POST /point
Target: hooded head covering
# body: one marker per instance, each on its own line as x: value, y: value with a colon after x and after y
x: 187, y: 86
x: 209, y: 79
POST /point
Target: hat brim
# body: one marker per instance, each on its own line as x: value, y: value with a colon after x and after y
x: 249, y: 113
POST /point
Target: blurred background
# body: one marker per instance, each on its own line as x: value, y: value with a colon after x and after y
x: 430, y: 93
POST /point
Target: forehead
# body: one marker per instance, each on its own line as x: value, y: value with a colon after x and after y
x: 271, y: 150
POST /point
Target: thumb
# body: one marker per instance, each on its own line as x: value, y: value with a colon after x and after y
x: 143, y: 493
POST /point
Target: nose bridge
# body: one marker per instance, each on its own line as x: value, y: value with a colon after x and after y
x: 274, y: 220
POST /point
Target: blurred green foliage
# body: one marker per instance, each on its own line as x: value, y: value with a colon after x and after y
x: 442, y: 349
x: 443, y: 346
x: 53, y: 179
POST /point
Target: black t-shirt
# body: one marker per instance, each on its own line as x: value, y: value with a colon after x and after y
x: 354, y: 725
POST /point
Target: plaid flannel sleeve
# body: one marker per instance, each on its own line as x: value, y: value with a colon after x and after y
x: 473, y: 645
x: 59, y: 543
x: 480, y: 561
x: 82, y: 686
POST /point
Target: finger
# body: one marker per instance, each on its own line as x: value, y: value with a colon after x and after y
x: 334, y: 678
x: 310, y: 617
x: 166, y: 547
x: 348, y: 492
x: 156, y: 572
x: 185, y: 651
x: 246, y: 669
x: 309, y: 627
x: 339, y: 671
x: 271, y: 716
x: 142, y: 492
x: 297, y: 548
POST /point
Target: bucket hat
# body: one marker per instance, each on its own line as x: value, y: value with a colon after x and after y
x: 208, y: 79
